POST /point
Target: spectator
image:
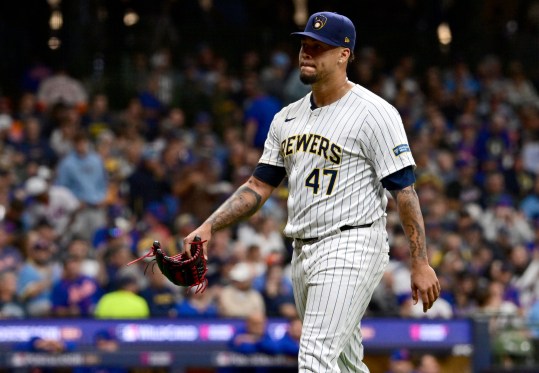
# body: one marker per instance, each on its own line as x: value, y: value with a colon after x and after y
x: 63, y: 133
x: 491, y: 304
x: 148, y: 182
x: 463, y: 290
x: 429, y: 363
x: 504, y: 219
x: 197, y: 186
x: 74, y: 295
x: 98, y: 118
x: 114, y: 260
x: 260, y: 108
x: 45, y: 345
x: 117, y: 232
x: 464, y: 190
x: 529, y: 205
x: 159, y: 295
x: 527, y: 283
x: 90, y: 266
x: 398, y: 266
x: 47, y: 234
x: 400, y: 361
x: 13, y: 221
x: 503, y: 273
x: 225, y: 107
x: 289, y: 343
x: 494, y: 143
x: 11, y: 258
x: 105, y: 342
x: 10, y: 308
x: 239, y: 299
x: 254, y: 337
x: 277, y: 291
x: 37, y: 275
x: 152, y: 107
x: 54, y: 203
x: 461, y: 81
x: 181, y: 226
x: 294, y: 89
x: 174, y: 123
x: 400, y: 80
x: 495, y: 190
x: 33, y: 146
x: 262, y: 230
x: 201, y: 304
x: 520, y: 89
x: 110, y: 150
x: 153, y: 226
x: 167, y: 78
x: 274, y: 76
x: 384, y: 302
x: 253, y: 257
x: 82, y: 171
x: 131, y: 123
x: 467, y: 126
x: 220, y: 262
x: 519, y: 181
x: 124, y: 302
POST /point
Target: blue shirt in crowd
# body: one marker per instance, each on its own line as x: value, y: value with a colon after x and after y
x: 85, y: 176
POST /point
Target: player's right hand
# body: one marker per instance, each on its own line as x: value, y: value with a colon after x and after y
x: 204, y: 232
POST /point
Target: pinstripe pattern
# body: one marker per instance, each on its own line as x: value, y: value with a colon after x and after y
x: 335, y: 157
x: 366, y: 129
x: 332, y: 290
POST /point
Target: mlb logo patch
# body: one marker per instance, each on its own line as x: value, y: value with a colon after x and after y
x: 399, y: 149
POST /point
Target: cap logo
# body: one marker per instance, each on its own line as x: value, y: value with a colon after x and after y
x: 319, y: 22
x: 346, y: 39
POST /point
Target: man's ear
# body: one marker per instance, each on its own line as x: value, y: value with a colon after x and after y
x: 345, y: 53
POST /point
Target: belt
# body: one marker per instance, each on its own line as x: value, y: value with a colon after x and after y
x: 306, y: 241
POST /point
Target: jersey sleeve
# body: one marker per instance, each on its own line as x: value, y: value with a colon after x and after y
x: 399, y: 179
x: 384, y: 141
x: 272, y: 147
x: 269, y: 174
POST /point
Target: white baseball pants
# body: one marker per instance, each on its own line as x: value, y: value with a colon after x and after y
x: 334, y: 278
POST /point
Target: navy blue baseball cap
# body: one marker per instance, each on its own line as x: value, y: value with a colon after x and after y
x: 330, y: 28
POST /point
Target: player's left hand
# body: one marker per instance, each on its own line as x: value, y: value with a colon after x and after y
x: 425, y: 284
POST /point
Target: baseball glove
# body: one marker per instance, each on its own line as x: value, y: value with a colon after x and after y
x: 180, y: 269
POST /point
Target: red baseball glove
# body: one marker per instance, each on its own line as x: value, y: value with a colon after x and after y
x: 180, y: 269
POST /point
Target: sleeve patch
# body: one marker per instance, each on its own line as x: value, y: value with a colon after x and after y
x: 399, y: 149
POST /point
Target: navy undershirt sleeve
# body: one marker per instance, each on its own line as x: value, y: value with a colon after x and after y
x: 272, y: 175
x: 399, y: 179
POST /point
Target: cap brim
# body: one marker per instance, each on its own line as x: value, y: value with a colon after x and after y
x: 317, y: 37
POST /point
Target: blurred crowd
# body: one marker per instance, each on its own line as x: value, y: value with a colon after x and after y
x: 86, y: 188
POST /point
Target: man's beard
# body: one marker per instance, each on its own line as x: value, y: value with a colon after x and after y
x: 308, y: 79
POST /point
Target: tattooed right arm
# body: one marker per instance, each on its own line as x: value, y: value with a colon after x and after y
x: 240, y: 205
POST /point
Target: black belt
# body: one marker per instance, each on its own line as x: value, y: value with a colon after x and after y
x: 306, y: 241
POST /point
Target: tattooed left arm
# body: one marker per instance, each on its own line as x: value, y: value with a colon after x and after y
x: 412, y: 221
x: 424, y: 280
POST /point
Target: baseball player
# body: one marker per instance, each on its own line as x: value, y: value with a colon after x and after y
x: 341, y: 147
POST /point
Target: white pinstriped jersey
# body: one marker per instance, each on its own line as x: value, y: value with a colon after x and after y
x: 335, y: 157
